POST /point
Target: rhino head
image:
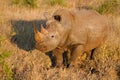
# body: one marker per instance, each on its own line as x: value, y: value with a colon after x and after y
x: 53, y: 34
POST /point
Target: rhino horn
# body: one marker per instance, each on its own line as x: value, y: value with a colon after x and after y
x: 43, y: 30
x: 38, y: 35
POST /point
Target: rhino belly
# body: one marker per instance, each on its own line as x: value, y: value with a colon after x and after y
x: 93, y: 43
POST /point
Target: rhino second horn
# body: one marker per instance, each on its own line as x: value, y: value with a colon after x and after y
x: 43, y: 30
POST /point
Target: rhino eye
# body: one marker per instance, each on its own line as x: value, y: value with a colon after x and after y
x: 52, y: 36
x: 57, y: 17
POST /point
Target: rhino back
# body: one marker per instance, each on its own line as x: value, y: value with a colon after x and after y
x: 89, y: 28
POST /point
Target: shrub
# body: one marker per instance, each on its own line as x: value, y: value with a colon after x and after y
x: 109, y: 6
x: 28, y: 3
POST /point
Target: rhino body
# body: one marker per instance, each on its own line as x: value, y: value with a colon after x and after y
x: 79, y: 31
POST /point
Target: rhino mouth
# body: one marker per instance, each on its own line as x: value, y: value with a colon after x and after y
x: 43, y: 49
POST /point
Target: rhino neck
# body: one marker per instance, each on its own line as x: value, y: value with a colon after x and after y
x: 66, y: 32
x: 64, y: 39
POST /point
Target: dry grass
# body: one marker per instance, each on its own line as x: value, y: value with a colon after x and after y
x: 26, y: 63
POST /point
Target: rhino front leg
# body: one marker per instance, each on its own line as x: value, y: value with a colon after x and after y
x: 76, y: 53
x: 59, y: 56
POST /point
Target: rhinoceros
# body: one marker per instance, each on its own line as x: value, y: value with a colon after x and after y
x: 77, y: 30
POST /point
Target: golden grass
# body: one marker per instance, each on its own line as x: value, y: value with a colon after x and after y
x: 30, y: 64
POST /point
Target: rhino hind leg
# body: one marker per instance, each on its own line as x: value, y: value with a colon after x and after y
x: 92, y: 54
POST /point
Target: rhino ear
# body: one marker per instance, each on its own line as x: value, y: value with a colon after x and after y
x: 57, y: 17
x: 46, y: 15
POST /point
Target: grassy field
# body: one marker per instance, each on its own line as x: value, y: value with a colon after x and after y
x: 20, y: 61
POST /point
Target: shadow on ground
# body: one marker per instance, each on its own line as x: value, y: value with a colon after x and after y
x: 24, y: 37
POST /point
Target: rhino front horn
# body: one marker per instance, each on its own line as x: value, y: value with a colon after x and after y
x: 43, y: 30
x: 38, y: 35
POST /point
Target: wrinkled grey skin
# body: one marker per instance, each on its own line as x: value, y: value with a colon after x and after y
x: 79, y: 31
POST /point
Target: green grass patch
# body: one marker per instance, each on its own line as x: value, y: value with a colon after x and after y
x: 4, y: 54
x: 2, y: 38
x: 8, y: 72
x: 27, y: 3
x: 56, y: 2
x: 109, y: 6
x: 6, y: 68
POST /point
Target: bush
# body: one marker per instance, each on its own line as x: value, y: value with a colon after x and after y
x: 28, y: 3
x: 109, y: 6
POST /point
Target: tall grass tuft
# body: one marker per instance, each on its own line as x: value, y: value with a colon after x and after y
x: 28, y: 3
x: 109, y: 6
x: 56, y: 2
